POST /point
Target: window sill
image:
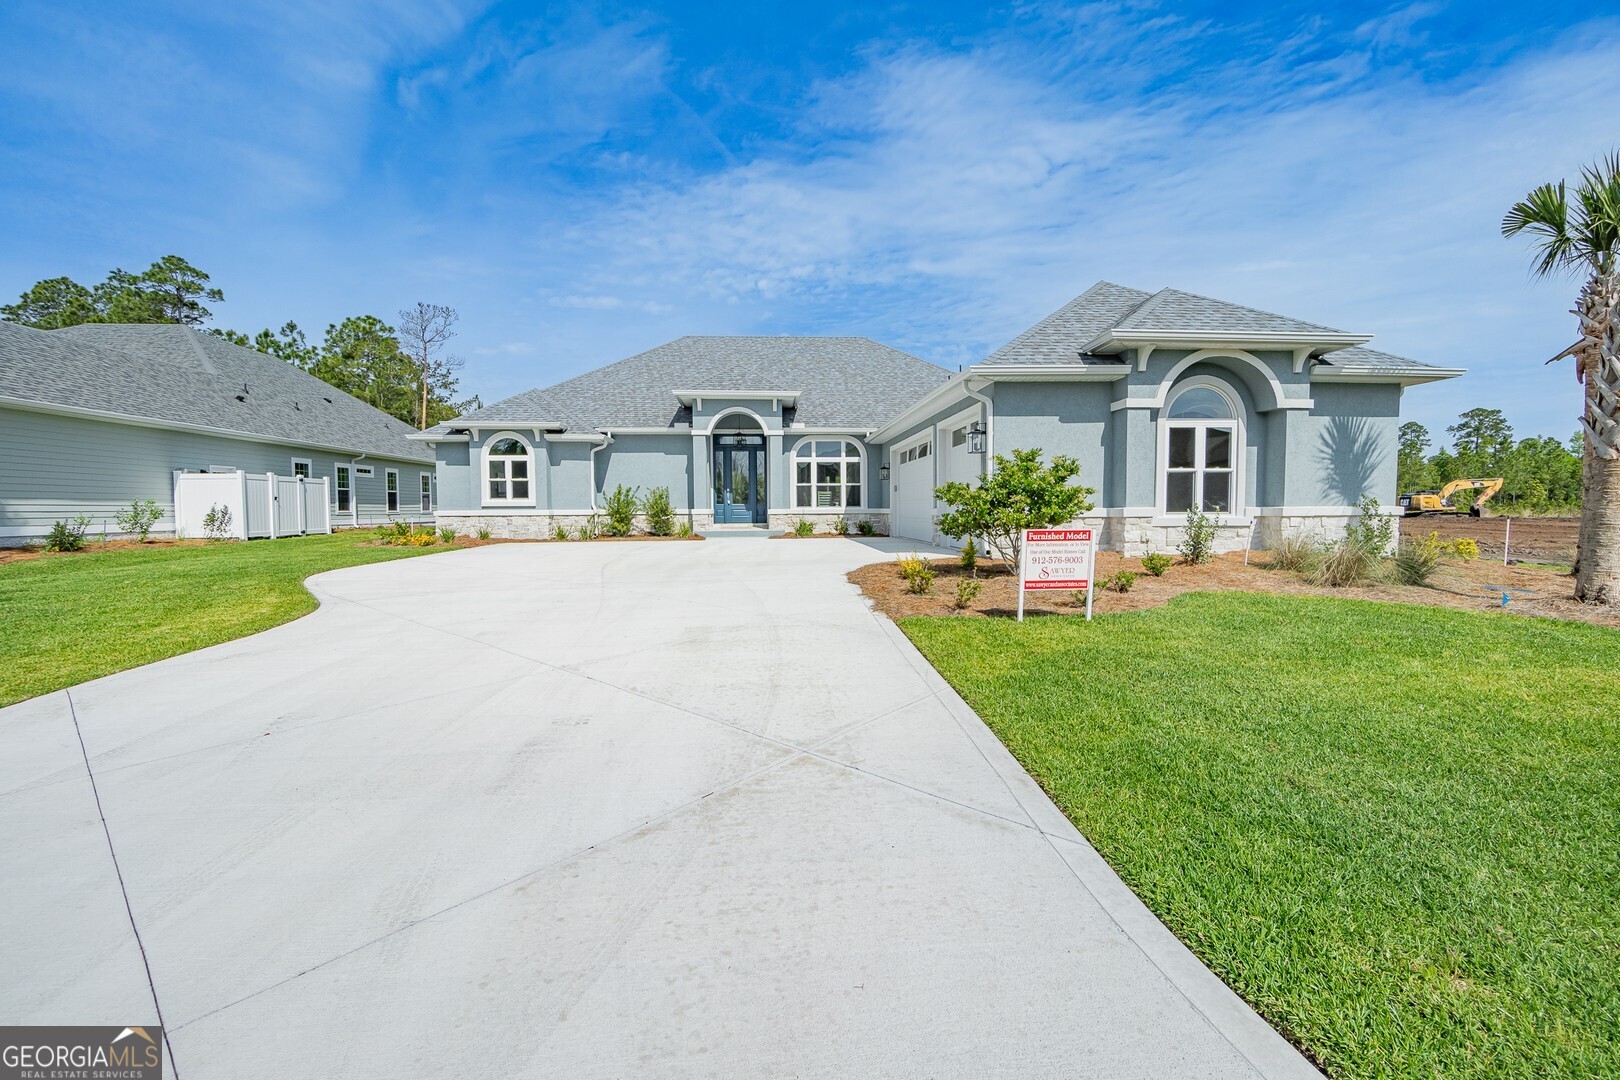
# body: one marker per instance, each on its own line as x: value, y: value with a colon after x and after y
x: 1220, y: 521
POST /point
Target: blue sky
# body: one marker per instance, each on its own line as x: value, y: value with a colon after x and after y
x: 585, y: 182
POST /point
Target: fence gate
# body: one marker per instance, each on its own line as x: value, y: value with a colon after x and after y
x: 260, y: 504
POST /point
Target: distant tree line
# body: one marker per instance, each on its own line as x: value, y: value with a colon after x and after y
x: 1541, y: 475
x: 404, y: 372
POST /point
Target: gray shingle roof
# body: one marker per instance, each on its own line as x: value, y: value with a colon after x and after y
x: 175, y: 374
x: 842, y: 381
x: 1171, y: 309
x: 1058, y: 338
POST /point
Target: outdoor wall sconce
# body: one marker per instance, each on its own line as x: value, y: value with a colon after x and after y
x: 976, y: 438
x: 883, y: 471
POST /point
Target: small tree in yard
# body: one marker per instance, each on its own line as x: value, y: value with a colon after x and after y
x: 1020, y: 493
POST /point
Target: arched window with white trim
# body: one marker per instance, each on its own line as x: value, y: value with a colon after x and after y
x: 1200, y: 447
x: 827, y: 473
x: 508, y: 470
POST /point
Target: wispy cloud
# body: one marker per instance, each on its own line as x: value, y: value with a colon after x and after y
x: 583, y: 185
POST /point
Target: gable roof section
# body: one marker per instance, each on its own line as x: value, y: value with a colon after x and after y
x: 173, y: 375
x: 841, y: 382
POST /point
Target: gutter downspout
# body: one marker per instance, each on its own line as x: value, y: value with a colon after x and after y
x: 989, y: 424
x: 594, y: 450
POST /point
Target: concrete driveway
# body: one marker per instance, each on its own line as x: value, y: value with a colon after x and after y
x: 587, y: 810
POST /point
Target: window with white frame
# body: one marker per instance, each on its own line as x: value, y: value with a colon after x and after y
x: 826, y: 473
x: 342, y: 492
x: 301, y: 467
x: 391, y: 482
x: 1202, y: 426
x: 427, y: 490
x: 507, y: 470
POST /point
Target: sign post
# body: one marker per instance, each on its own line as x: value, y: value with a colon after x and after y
x: 1057, y: 559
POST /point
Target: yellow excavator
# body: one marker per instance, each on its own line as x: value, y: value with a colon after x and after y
x: 1439, y: 502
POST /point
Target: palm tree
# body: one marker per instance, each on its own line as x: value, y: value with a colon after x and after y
x: 1585, y: 238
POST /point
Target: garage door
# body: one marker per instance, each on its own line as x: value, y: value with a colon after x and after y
x: 912, y: 502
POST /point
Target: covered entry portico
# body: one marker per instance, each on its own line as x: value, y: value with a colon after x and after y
x: 740, y: 478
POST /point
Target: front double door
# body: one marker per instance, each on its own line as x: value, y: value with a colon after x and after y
x: 739, y: 479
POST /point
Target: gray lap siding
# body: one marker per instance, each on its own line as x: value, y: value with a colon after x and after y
x: 56, y: 467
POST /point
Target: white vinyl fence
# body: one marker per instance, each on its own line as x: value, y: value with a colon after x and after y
x: 260, y: 504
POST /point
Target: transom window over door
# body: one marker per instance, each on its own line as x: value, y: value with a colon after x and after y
x: 826, y: 473
x: 507, y: 470
x: 1200, y: 446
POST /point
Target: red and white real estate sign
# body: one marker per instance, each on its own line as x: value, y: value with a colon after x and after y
x: 1057, y: 559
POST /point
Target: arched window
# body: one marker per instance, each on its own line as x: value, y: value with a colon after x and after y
x: 1199, y: 448
x: 508, y: 470
x: 826, y: 473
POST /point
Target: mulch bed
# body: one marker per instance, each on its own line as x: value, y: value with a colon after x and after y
x: 1474, y: 585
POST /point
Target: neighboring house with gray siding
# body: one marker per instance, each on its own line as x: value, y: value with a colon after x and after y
x: 93, y: 417
x: 1274, y: 426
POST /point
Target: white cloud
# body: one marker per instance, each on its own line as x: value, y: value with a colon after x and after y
x: 944, y: 200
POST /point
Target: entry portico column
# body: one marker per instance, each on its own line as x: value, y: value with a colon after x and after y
x: 775, y: 475
x: 702, y: 476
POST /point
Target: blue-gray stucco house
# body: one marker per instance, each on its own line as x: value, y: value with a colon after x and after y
x: 94, y: 417
x: 1169, y: 400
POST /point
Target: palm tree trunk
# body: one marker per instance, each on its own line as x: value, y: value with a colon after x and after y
x: 1597, y: 562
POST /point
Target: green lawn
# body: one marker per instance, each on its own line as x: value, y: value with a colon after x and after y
x: 68, y: 618
x: 1393, y: 829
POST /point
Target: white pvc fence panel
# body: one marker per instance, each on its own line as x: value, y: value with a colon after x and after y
x: 260, y: 504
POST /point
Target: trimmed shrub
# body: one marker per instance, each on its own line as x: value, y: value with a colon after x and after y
x: 967, y: 590
x: 65, y: 536
x: 840, y: 527
x: 138, y: 518
x: 1197, y: 538
x: 803, y: 528
x: 1155, y: 563
x: 1120, y: 582
x: 865, y: 527
x: 621, y: 507
x: 1465, y: 547
x: 970, y: 557
x: 909, y: 564
x: 217, y: 522
x: 660, y: 516
x: 919, y: 576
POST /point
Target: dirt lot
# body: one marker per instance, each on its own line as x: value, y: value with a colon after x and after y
x: 1548, y: 540
x: 1475, y: 585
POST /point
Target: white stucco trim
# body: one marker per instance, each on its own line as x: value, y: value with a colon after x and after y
x: 868, y: 477
x: 764, y: 426
x: 1238, y: 455
x: 1404, y: 376
x: 1117, y: 338
x: 483, y: 472
x: 581, y: 437
x: 779, y: 399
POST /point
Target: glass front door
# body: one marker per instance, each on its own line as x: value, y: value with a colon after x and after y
x: 739, y: 479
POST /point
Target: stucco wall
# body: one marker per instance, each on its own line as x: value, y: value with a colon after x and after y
x: 645, y: 462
